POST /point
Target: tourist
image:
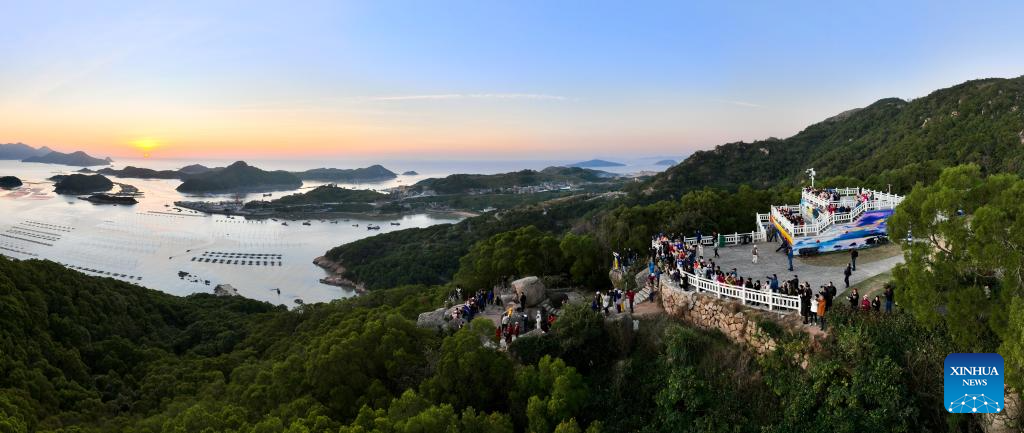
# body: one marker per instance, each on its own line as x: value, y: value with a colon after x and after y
x: 846, y: 275
x: 853, y: 258
x: 607, y: 302
x: 630, y: 294
x: 865, y: 304
x: 753, y: 254
x: 789, y: 255
x: 854, y: 298
x: 888, y: 298
x: 822, y: 309
x: 805, y: 305
x: 876, y: 305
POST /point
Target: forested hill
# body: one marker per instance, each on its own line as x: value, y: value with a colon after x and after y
x: 890, y: 141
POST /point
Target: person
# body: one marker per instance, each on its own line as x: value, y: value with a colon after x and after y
x: 876, y: 305
x: 753, y: 254
x: 854, y: 298
x: 865, y: 304
x: 774, y: 283
x: 805, y: 305
x: 606, y: 302
x: 630, y: 294
x: 853, y: 258
x: 822, y: 308
x: 789, y: 255
x: 846, y: 275
x: 782, y: 245
x: 888, y: 298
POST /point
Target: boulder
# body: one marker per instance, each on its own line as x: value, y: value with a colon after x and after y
x: 432, y: 319
x: 532, y: 287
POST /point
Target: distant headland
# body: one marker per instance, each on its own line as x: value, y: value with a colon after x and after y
x: 594, y: 163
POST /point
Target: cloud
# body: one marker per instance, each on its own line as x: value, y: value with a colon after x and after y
x: 462, y: 96
x: 738, y: 103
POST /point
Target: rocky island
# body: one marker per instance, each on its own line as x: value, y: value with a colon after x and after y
x: 82, y: 184
x: 110, y: 199
x: 9, y: 182
x: 239, y: 177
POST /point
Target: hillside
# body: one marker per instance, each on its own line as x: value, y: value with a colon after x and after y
x: 78, y: 158
x: 891, y: 141
x: 239, y: 177
x: 373, y: 173
x: 82, y: 183
x: 464, y: 183
x: 9, y: 182
x: 142, y: 173
x: 21, y: 151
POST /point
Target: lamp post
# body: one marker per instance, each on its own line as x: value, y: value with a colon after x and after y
x: 810, y: 172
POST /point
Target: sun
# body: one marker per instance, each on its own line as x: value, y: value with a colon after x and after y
x: 146, y: 146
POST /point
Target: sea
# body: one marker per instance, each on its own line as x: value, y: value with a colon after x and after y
x: 157, y: 245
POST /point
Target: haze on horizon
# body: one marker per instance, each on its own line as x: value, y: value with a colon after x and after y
x: 522, y: 80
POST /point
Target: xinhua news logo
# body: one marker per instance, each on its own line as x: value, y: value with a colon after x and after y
x: 974, y: 383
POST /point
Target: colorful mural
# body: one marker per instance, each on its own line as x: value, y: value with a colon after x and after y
x: 843, y: 237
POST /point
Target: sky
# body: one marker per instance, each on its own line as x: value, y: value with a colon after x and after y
x: 472, y: 79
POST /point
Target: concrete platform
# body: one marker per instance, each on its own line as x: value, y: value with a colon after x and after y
x: 817, y: 270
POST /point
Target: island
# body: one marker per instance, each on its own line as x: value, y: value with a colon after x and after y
x: 140, y: 173
x: 239, y: 177
x: 322, y: 199
x: 666, y: 162
x: 595, y: 163
x: 82, y: 184
x: 373, y: 173
x: 194, y: 169
x: 20, y: 151
x: 9, y: 182
x: 551, y: 178
x: 410, y: 173
x: 78, y: 158
x: 110, y: 199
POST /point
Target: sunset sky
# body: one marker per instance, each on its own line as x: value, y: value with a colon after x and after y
x: 479, y: 79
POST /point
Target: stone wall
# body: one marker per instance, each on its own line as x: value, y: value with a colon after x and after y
x: 740, y: 324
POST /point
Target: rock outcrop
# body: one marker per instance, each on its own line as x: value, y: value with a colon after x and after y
x: 532, y: 287
x: 433, y: 319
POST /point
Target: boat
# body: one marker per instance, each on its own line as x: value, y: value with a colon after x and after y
x: 284, y: 224
x: 372, y: 227
x: 396, y: 223
x: 355, y: 225
x: 306, y: 223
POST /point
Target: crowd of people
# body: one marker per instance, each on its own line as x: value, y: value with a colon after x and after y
x: 794, y: 216
x: 613, y: 299
x: 680, y: 261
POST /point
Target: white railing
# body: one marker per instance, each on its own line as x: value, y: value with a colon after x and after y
x: 754, y: 298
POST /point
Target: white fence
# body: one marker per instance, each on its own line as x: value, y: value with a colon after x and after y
x: 754, y: 298
x: 880, y: 200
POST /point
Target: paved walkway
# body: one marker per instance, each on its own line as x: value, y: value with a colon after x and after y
x: 818, y: 270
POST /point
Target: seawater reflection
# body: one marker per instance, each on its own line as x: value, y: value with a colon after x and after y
x: 153, y: 244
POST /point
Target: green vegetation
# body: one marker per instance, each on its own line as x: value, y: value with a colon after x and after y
x: 889, y: 142
x: 239, y: 176
x: 431, y: 255
x: 88, y: 354
x: 963, y: 270
x: 469, y: 183
x: 321, y: 196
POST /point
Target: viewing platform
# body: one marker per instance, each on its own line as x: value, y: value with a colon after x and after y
x: 832, y: 219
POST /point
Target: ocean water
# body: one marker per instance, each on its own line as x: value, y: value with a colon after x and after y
x: 151, y: 242
x: 179, y: 251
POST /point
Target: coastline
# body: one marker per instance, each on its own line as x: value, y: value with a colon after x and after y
x: 336, y: 277
x: 231, y: 208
